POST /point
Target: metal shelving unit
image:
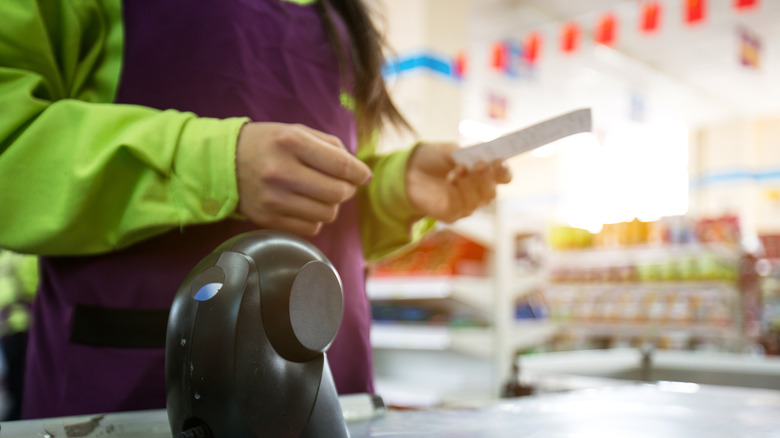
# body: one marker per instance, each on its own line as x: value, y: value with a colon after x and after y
x: 494, y: 345
x: 681, y: 306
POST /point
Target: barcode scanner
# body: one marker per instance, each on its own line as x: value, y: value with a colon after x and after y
x: 246, y: 341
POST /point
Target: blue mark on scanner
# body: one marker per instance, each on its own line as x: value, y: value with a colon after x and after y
x: 207, y: 292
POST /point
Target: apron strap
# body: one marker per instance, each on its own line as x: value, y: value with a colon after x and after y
x: 117, y: 327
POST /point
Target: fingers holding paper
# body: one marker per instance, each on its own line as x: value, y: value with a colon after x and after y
x: 442, y: 189
x: 294, y: 178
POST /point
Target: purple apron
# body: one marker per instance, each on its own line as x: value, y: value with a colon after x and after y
x: 265, y: 59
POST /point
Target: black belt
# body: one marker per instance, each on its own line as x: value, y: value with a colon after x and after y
x: 121, y: 328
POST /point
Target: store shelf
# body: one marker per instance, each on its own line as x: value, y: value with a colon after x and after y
x: 720, y: 286
x: 691, y: 293
x: 472, y: 341
x: 527, y: 334
x: 479, y: 227
x: 631, y: 364
x: 482, y: 332
x: 617, y: 256
x: 473, y: 291
x: 649, y: 328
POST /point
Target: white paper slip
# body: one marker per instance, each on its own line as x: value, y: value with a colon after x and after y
x: 526, y: 139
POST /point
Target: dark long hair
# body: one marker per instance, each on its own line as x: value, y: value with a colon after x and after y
x: 373, y: 105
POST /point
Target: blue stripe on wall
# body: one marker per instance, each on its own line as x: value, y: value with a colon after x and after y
x: 735, y: 176
x: 427, y: 61
x: 443, y: 65
x: 772, y: 174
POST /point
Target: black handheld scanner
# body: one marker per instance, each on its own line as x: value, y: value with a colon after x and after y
x: 246, y: 342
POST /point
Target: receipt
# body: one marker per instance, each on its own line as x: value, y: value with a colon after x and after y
x: 526, y: 139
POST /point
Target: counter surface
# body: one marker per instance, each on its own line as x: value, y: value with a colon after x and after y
x: 666, y: 409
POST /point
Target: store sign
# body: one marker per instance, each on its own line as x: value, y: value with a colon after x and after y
x: 749, y: 49
x: 497, y: 106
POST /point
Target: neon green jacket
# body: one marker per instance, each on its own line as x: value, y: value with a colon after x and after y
x: 82, y: 175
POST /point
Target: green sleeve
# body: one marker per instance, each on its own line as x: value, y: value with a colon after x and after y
x: 387, y: 220
x: 18, y: 277
x: 81, y: 175
x: 27, y: 271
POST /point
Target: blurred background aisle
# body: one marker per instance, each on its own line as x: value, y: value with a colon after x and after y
x: 656, y: 239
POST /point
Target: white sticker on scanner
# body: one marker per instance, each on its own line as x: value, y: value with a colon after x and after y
x: 526, y: 139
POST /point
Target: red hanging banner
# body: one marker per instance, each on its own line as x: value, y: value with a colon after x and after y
x: 499, y: 59
x: 570, y: 37
x: 459, y: 64
x: 695, y: 11
x: 533, y: 44
x: 606, y: 30
x: 745, y: 5
x: 650, y: 17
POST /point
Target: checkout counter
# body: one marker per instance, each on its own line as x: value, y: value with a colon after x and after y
x: 664, y: 409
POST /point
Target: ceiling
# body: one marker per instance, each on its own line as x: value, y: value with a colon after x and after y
x: 703, y: 60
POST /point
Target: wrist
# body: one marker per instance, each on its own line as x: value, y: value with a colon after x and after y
x: 205, y: 176
x: 413, y: 208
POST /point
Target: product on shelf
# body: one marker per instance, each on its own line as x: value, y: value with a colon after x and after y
x: 441, y: 253
x: 424, y: 314
x: 676, y: 230
x: 722, y: 229
x: 674, y: 283
x: 563, y: 238
x: 768, y: 268
x: 529, y: 250
x: 671, y: 268
x: 700, y: 305
x: 771, y: 246
x: 531, y: 306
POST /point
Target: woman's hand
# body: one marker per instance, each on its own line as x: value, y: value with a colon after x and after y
x: 446, y: 191
x: 293, y: 178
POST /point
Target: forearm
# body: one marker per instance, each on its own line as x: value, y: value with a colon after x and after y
x: 84, y: 178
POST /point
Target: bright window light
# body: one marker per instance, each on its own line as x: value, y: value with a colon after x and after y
x: 477, y: 132
x: 640, y: 171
